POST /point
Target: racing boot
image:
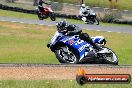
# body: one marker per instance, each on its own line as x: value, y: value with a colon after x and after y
x: 85, y: 36
x: 95, y: 46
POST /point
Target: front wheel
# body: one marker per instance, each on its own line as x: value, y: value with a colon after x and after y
x: 52, y: 16
x: 96, y: 21
x: 65, y: 55
x: 111, y: 57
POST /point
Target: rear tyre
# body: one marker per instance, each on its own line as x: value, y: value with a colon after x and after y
x: 40, y: 16
x: 65, y: 55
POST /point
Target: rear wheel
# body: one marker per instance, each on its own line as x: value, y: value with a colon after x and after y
x: 40, y: 16
x: 65, y: 55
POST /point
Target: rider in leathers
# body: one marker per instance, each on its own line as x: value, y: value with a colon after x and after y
x: 40, y: 5
x: 84, y: 10
x: 71, y: 30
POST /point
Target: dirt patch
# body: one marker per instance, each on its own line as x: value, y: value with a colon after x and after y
x: 54, y: 73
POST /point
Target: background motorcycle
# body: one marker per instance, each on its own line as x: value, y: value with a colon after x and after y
x: 71, y: 49
x: 90, y: 17
x: 45, y: 13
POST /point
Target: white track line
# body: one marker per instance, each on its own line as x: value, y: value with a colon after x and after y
x: 109, y: 31
x: 98, y: 30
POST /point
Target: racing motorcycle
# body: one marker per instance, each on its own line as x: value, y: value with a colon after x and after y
x: 90, y: 17
x: 45, y: 13
x: 71, y: 49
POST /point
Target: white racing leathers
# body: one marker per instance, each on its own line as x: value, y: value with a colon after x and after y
x: 84, y: 12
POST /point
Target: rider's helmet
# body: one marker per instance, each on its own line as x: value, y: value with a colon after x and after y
x: 61, y: 26
x: 83, y: 5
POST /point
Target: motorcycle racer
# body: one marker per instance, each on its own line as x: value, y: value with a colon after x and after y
x: 71, y: 30
x: 45, y: 12
x: 40, y: 4
x: 84, y: 10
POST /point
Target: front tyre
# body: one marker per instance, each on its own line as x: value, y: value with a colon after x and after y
x: 52, y: 16
x: 110, y: 58
x: 96, y: 21
x: 65, y: 55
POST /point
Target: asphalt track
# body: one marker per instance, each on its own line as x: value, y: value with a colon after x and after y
x: 118, y: 29
x: 64, y: 65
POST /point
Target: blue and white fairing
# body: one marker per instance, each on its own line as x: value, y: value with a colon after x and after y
x: 75, y: 42
x: 98, y: 39
x: 78, y: 45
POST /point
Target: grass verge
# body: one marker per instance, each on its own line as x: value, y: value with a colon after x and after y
x: 55, y: 84
x: 23, y: 43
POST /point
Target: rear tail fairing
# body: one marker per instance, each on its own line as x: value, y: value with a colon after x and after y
x: 98, y: 39
x: 77, y: 45
x: 50, y: 10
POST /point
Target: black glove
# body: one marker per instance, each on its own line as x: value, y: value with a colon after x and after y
x: 48, y: 45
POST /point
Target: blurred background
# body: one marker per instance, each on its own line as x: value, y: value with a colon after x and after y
x: 112, y: 9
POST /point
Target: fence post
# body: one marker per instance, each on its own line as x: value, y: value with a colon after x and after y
x: 81, y: 2
x: 113, y: 4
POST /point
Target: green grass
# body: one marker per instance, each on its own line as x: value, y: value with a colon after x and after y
x: 121, y: 4
x: 55, y: 84
x: 25, y: 44
x: 6, y: 13
x: 22, y: 43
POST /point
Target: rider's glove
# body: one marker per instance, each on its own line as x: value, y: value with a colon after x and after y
x: 48, y: 45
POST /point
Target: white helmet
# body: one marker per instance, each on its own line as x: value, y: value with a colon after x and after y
x: 83, y: 5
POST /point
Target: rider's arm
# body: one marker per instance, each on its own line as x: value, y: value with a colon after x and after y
x: 72, y: 32
x: 81, y: 11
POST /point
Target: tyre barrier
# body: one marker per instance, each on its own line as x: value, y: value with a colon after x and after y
x: 17, y: 9
x: 123, y: 22
x: 77, y: 17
